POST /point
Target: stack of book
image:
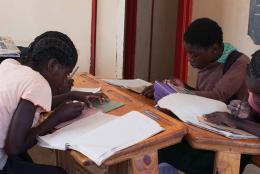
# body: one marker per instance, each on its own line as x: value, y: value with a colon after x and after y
x: 8, y: 48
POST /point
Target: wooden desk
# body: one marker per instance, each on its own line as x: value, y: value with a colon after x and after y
x: 228, y: 151
x: 142, y: 157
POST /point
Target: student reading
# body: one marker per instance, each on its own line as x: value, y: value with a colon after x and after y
x: 26, y: 90
x: 221, y: 76
x: 222, y: 68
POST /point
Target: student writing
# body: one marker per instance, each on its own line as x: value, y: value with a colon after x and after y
x: 26, y: 90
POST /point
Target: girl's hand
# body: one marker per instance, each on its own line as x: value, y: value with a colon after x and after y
x: 149, y: 92
x: 239, y: 109
x: 88, y: 97
x: 68, y: 111
x: 221, y: 118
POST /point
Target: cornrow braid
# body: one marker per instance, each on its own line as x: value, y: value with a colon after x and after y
x: 253, y: 69
x: 52, y: 44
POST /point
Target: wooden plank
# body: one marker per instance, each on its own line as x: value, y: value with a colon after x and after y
x: 227, y: 163
x: 205, y: 140
x: 256, y: 160
x: 123, y: 167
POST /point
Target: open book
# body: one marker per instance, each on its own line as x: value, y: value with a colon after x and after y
x: 101, y: 135
x: 104, y: 107
x: 189, y: 108
x: 137, y: 85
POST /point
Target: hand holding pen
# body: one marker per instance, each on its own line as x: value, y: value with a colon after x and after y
x: 239, y: 109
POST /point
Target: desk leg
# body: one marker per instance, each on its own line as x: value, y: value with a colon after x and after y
x: 227, y: 163
x: 145, y: 164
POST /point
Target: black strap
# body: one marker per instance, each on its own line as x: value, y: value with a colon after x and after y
x: 232, y: 58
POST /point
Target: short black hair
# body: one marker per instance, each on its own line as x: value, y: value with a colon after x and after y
x: 52, y: 44
x: 253, y: 69
x: 203, y: 32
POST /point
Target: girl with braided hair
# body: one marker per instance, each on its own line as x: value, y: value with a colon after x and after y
x: 26, y: 90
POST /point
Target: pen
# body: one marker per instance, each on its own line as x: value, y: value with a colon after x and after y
x: 239, y: 107
x: 73, y: 73
x: 150, y: 114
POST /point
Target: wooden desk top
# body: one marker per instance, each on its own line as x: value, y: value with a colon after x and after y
x: 202, y: 139
x: 174, y: 130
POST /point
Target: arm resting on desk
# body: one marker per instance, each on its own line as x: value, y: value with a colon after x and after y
x: 222, y: 118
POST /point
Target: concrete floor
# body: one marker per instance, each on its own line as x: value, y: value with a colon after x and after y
x: 47, y: 156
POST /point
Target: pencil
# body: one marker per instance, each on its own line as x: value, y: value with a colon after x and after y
x: 73, y: 73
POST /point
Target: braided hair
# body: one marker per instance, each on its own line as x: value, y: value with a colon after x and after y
x: 52, y: 44
x: 253, y: 69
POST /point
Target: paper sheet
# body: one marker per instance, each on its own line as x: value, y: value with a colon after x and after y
x: 189, y: 107
x: 101, y: 135
x: 105, y: 107
x: 137, y: 85
x: 225, y: 128
x: 116, y: 135
x: 86, y: 113
x: 69, y: 133
x: 92, y: 90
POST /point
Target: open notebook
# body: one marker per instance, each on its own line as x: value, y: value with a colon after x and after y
x: 104, y: 107
x: 189, y: 108
x: 101, y: 135
x: 137, y: 85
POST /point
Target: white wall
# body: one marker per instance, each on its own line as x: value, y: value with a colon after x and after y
x: 110, y: 38
x: 232, y: 16
x: 24, y: 20
x: 234, y: 23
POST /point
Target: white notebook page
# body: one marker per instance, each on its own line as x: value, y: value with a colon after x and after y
x: 137, y: 85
